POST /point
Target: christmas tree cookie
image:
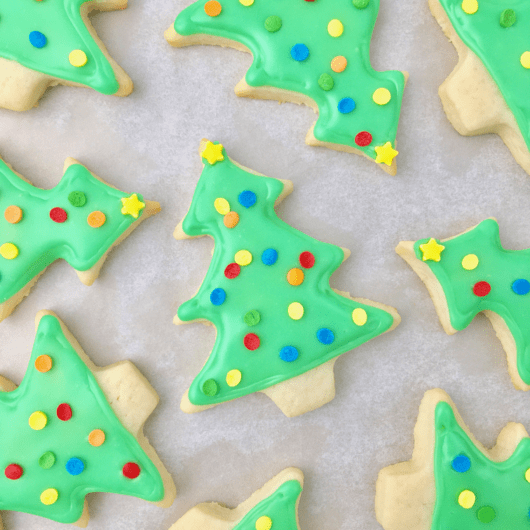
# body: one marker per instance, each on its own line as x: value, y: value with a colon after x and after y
x: 316, y: 53
x: 51, y: 42
x: 472, y: 273
x: 487, y: 92
x: 452, y: 480
x: 280, y: 326
x: 273, y: 507
x: 73, y: 428
x: 80, y: 221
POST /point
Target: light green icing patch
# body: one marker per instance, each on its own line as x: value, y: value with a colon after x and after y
x: 40, y: 240
x: 307, y: 23
x: 498, y: 267
x: 500, y: 494
x: 280, y: 508
x: 265, y: 289
x: 61, y: 23
x: 68, y: 381
x: 499, y: 48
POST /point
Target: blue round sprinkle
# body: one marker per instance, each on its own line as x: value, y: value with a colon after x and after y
x: 269, y: 256
x: 247, y: 198
x: 461, y: 464
x: 521, y: 286
x: 346, y: 105
x: 288, y: 354
x: 325, y: 336
x: 37, y: 39
x: 299, y: 52
x: 75, y: 466
x: 218, y: 296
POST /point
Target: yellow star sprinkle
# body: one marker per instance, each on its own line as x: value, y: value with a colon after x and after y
x: 431, y: 250
x: 213, y: 153
x: 132, y: 205
x: 385, y: 154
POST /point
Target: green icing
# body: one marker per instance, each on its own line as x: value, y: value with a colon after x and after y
x: 40, y: 240
x: 502, y: 494
x: 306, y: 23
x: 489, y: 33
x: 68, y: 381
x: 265, y: 289
x: 497, y: 266
x: 280, y: 507
x: 61, y: 23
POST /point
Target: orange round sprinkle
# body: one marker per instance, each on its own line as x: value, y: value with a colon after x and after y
x: 43, y: 363
x: 96, y: 437
x: 231, y: 219
x: 13, y: 214
x: 339, y: 63
x: 96, y: 219
x: 295, y: 276
x: 212, y: 8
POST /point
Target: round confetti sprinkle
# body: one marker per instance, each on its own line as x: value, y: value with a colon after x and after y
x: 361, y: 4
x: 37, y: 39
x: 273, y: 23
x: 13, y: 214
x: 232, y: 271
x: 13, y: 471
x: 251, y: 341
x: 481, y: 288
x: 335, y: 28
x: 470, y: 6
x: 363, y: 138
x: 75, y: 466
x: 77, y: 199
x: 381, y: 96
x: 212, y: 8
x: 64, y: 412
x: 131, y: 470
x: 96, y: 438
x: 96, y: 219
x: 264, y: 523
x: 43, y: 363
x: 325, y: 336
x: 47, y: 460
x: 243, y: 258
x: 78, y: 58
x: 461, y: 464
x: 521, y: 286
x: 247, y: 198
x: 295, y: 310
x: 508, y: 18
x: 295, y: 277
x: 9, y: 251
x: 221, y: 205
x: 359, y: 316
x: 466, y: 499
x: 233, y: 378
x: 231, y: 219
x: 49, y: 496
x: 38, y: 420
x: 246, y: 3
x: 252, y: 317
x: 339, y: 63
x: 325, y: 82
x: 527, y: 475
x: 218, y: 296
x: 470, y: 262
x: 58, y: 215
x: 307, y: 260
x: 486, y: 514
x: 299, y: 52
x: 289, y: 354
x: 269, y: 256
x: 210, y: 387
x: 525, y: 60
x: 346, y: 105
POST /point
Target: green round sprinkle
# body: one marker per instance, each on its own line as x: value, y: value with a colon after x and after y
x: 210, y: 387
x: 361, y: 4
x: 77, y: 198
x: 47, y: 460
x: 252, y: 318
x: 508, y: 18
x: 273, y: 23
x: 325, y: 82
x: 486, y: 514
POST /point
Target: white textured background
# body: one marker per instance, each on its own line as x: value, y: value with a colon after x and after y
x: 148, y: 142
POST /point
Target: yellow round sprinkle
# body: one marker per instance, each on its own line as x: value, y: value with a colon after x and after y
x: 359, y: 316
x: 525, y: 59
x: 49, y: 496
x: 38, y: 420
x: 246, y: 3
x: 335, y: 28
x: 470, y: 6
x: 243, y: 257
x: 296, y: 310
x: 264, y: 523
x: 382, y: 96
x: 466, y: 499
x: 78, y: 58
x: 8, y: 251
x: 527, y: 475
x: 221, y: 205
x: 470, y: 262
x: 233, y: 378
x: 96, y: 438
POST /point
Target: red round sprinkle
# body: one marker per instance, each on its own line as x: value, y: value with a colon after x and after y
x: 13, y: 471
x: 363, y: 139
x: 64, y: 412
x: 481, y: 288
x: 307, y: 260
x: 131, y: 470
x: 232, y: 271
x: 251, y: 341
x: 58, y: 215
